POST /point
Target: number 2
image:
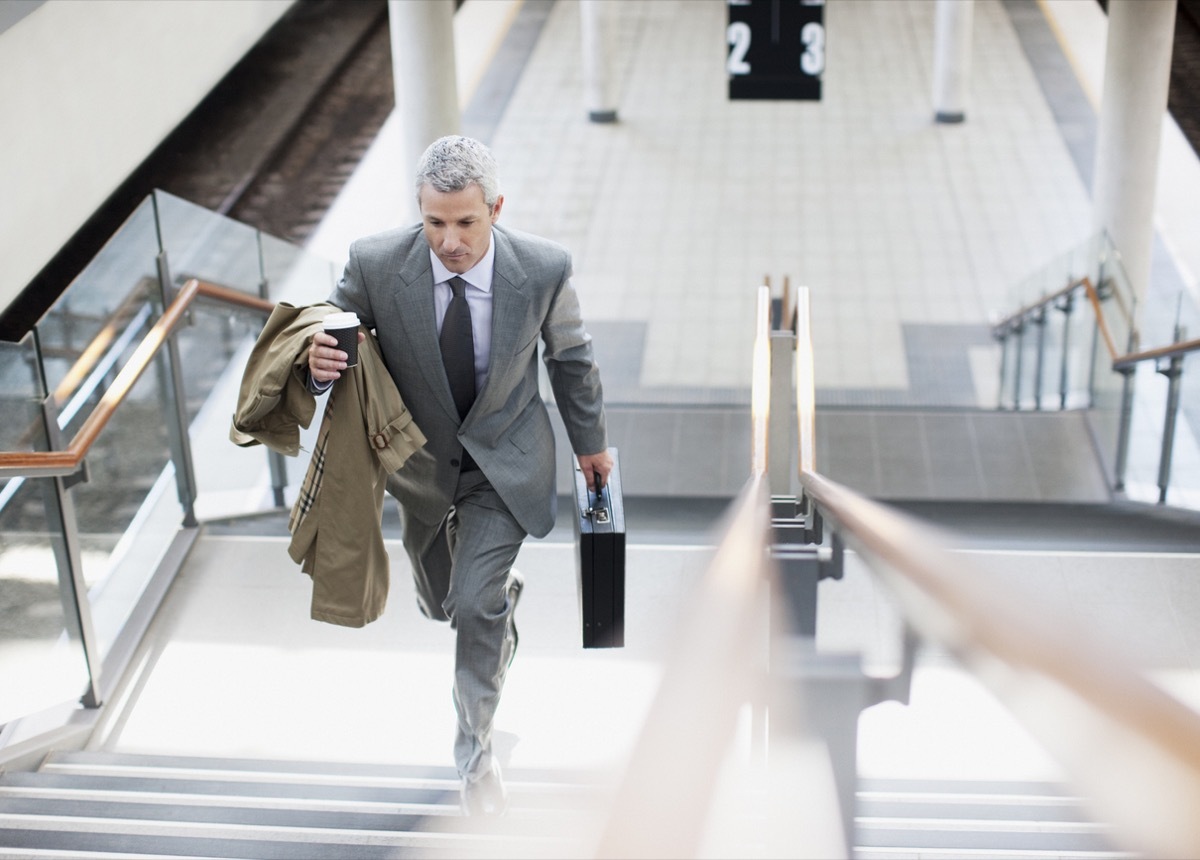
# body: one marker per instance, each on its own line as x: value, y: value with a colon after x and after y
x: 737, y: 35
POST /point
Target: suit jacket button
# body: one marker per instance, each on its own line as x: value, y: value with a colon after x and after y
x: 454, y: 463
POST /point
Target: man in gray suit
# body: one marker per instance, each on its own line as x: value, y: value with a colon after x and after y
x: 486, y: 477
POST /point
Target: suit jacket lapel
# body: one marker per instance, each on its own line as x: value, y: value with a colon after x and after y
x: 418, y: 319
x: 510, y: 306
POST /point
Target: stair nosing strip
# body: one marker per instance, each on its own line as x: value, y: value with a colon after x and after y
x: 966, y: 798
x: 289, y: 777
x: 214, y: 775
x: 865, y: 852
x: 981, y: 825
x: 256, y: 832
x: 81, y: 854
x: 242, y: 801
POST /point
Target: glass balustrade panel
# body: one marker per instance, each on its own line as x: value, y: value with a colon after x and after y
x: 1105, y: 411
x: 1070, y: 371
x: 294, y: 275
x: 42, y: 661
x: 230, y: 480
x: 221, y: 339
x: 202, y: 244
x: 1006, y: 393
x: 1145, y: 434
x: 100, y: 313
x: 1147, y: 426
x: 127, y: 512
x: 1118, y: 301
x: 1184, y: 489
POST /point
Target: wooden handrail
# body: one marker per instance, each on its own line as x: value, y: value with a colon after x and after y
x: 229, y: 296
x: 1129, y: 746
x: 1005, y: 322
x: 1119, y: 361
x: 1101, y: 322
x: 68, y: 461
x: 1132, y: 749
x: 1169, y: 351
x: 98, y: 345
x: 1093, y: 298
x: 662, y: 803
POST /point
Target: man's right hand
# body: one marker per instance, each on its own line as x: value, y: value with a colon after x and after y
x: 325, y: 360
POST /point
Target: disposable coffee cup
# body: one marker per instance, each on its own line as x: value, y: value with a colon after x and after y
x: 344, y: 326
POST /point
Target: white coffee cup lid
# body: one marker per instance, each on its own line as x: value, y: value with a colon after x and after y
x: 342, y: 319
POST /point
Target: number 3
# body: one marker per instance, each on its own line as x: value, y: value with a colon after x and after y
x: 812, y: 61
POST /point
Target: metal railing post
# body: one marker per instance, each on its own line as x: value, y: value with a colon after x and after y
x: 1003, y: 367
x: 1125, y: 420
x: 1067, y: 306
x: 1019, y: 331
x: 63, y: 528
x: 1039, y: 319
x: 823, y: 695
x: 802, y: 565
x: 781, y: 447
x: 175, y: 393
x: 1174, y: 374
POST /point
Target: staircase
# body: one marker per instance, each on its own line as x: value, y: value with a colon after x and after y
x: 97, y: 805
x: 956, y: 818
x: 85, y: 804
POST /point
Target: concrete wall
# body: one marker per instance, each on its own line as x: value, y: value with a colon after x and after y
x: 88, y: 88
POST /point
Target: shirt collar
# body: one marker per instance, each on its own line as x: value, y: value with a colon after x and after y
x: 478, y: 276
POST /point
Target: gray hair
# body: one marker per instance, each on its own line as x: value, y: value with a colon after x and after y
x: 454, y: 162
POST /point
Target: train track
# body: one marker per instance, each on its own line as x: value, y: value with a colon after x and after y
x: 293, y: 121
x: 1183, y: 98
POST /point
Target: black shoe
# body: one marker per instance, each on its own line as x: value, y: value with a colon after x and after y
x: 485, y: 797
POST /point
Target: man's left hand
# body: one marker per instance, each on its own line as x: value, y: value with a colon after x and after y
x: 592, y: 464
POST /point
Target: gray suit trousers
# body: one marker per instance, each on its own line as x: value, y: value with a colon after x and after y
x: 462, y: 572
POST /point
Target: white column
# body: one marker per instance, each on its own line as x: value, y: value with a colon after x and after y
x: 599, y: 76
x: 952, y: 59
x: 422, y: 34
x: 1137, y: 68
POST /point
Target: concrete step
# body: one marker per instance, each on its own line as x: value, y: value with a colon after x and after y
x: 96, y: 805
x: 957, y: 818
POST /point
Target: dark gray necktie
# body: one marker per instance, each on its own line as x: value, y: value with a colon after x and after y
x: 458, y: 348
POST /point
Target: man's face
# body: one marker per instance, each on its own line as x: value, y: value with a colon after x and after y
x: 458, y: 225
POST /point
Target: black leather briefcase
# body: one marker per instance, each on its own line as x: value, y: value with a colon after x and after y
x: 600, y: 559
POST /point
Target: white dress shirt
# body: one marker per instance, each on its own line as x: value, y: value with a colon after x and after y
x: 479, y: 300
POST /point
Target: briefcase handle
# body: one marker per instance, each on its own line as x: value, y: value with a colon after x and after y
x: 597, y: 511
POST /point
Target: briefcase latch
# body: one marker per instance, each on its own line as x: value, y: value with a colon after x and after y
x: 600, y: 515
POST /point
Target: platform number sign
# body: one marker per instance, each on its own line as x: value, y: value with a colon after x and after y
x: 776, y: 49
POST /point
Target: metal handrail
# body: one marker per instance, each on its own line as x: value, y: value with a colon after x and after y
x: 67, y: 461
x: 1129, y: 746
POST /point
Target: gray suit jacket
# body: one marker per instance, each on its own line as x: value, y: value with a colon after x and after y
x: 388, y: 282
